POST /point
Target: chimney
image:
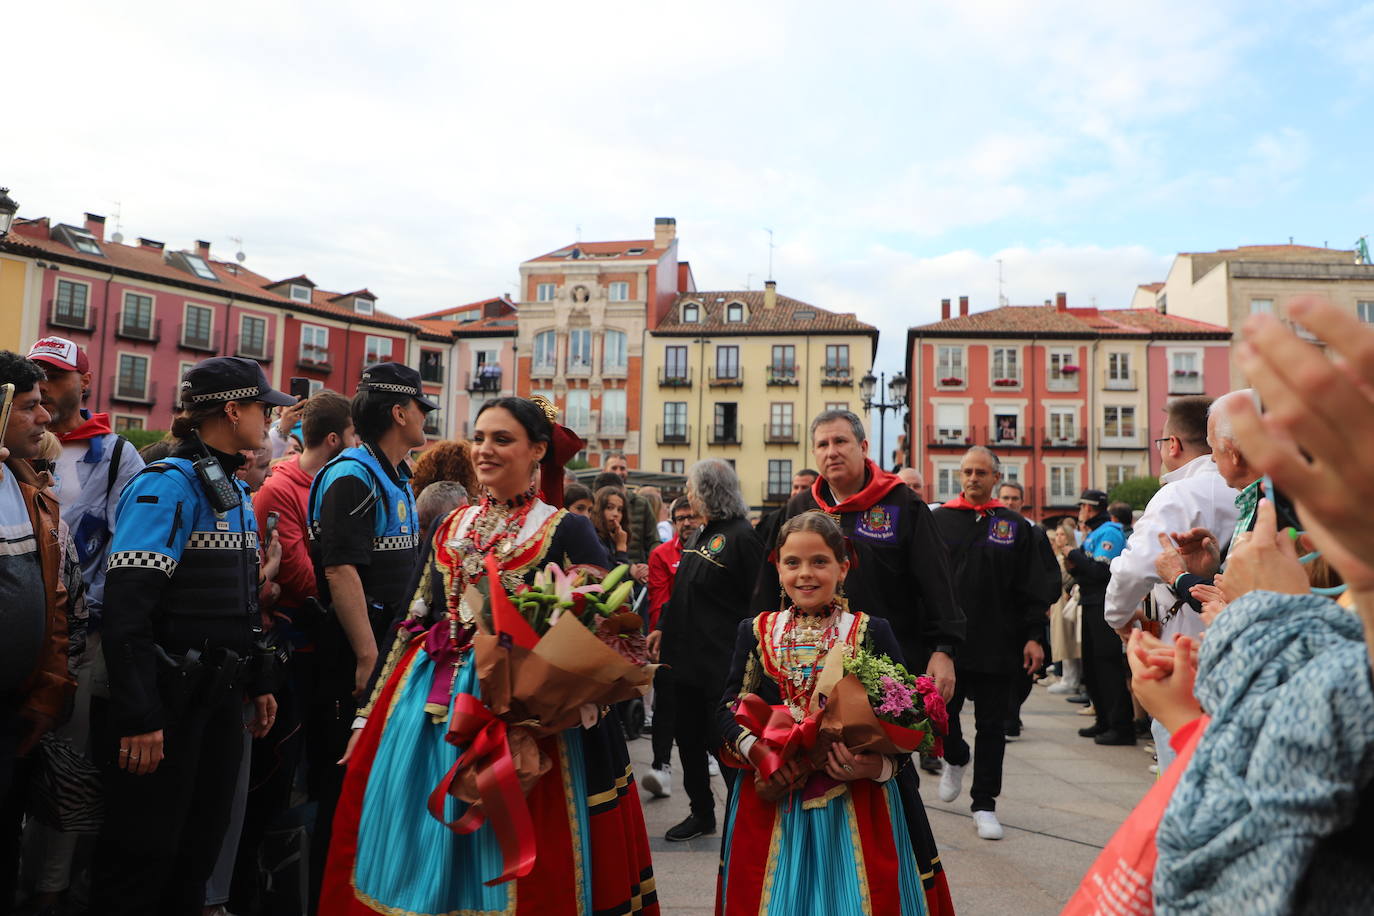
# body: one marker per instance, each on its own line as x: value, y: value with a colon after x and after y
x: 770, y: 294
x: 149, y: 243
x: 665, y: 230
x: 963, y: 306
x: 1061, y: 301
x: 203, y: 248
x: 944, y: 310
x: 95, y: 225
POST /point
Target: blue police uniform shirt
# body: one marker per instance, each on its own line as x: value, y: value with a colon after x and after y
x: 1105, y: 541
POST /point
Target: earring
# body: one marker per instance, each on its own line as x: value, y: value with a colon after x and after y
x: 782, y: 598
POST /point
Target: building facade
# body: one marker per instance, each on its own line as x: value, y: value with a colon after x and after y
x: 481, y: 351
x: 739, y: 375
x: 1067, y: 397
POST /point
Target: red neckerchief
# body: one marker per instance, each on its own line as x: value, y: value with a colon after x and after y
x: 97, y: 425
x: 880, y: 483
x: 960, y: 502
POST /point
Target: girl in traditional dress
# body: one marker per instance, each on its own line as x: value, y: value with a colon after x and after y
x: 388, y: 854
x: 838, y: 841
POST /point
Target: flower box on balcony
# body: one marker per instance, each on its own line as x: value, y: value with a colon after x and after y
x: 1005, y: 383
x: 1185, y: 373
x: 1068, y: 370
x: 951, y: 381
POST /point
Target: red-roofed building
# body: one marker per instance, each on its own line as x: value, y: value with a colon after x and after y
x: 483, y: 353
x: 1068, y: 398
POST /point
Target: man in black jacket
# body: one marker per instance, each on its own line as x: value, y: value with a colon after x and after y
x: 1002, y: 587
x: 1104, y: 664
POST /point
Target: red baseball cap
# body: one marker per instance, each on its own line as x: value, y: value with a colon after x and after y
x: 61, y: 353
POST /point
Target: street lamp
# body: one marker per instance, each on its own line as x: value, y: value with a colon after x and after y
x: 8, y: 207
x: 896, y: 400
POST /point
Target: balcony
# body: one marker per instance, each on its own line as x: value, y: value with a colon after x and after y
x: 147, y: 395
x: 1117, y: 440
x: 1064, y: 381
x: 726, y: 434
x: 777, y: 492
x: 613, y: 428
x: 1050, y: 498
x: 582, y: 424
x: 1120, y: 381
x: 727, y: 379
x: 432, y: 371
x: 1185, y: 381
x: 673, y: 434
x: 203, y: 343
x: 73, y: 320
x: 260, y: 350
x: 1065, y: 437
x: 150, y: 333
x: 314, y: 359
x: 1006, y: 382
x: 949, y: 436
x: 995, y: 438
x: 785, y: 374
x: 614, y: 370
x: 543, y: 370
x: 579, y: 366
x: 675, y: 377
x: 484, y: 381
x: 950, y: 379
x: 782, y: 433
x: 837, y: 377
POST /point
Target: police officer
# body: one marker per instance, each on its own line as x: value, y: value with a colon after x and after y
x: 365, y: 540
x: 1104, y: 665
x: 180, y: 641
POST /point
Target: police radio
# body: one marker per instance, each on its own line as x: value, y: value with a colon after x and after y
x: 218, y: 487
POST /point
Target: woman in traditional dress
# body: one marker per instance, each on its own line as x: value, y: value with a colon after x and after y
x: 838, y: 841
x: 389, y: 855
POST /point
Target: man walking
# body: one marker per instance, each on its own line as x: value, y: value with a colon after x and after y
x: 1104, y: 661
x: 1013, y: 496
x: 1000, y: 583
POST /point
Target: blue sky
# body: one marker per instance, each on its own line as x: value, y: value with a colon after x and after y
x: 896, y: 150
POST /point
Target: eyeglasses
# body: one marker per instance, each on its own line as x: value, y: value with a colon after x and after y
x: 1164, y: 439
x: 684, y: 518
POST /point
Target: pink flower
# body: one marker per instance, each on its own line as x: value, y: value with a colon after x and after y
x: 897, y: 697
x: 936, y: 712
x: 925, y: 685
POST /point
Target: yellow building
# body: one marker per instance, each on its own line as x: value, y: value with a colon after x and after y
x: 739, y: 375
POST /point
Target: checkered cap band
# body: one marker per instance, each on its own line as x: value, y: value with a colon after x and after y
x: 142, y: 559
x: 236, y: 394
x: 387, y: 386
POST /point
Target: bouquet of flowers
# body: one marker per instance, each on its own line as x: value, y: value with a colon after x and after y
x: 596, y: 598
x: 879, y: 706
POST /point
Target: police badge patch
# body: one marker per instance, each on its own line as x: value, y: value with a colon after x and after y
x: 878, y: 523
x: 715, y: 545
x: 1002, y: 532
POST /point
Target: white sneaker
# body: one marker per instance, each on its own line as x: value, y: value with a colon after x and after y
x: 1062, y: 686
x: 951, y: 781
x: 659, y: 782
x: 989, y: 828
x: 712, y: 766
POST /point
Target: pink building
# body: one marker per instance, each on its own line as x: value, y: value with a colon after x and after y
x: 482, y: 338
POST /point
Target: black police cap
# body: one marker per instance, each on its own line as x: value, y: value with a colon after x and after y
x: 1095, y: 498
x: 395, y: 378
x: 229, y: 378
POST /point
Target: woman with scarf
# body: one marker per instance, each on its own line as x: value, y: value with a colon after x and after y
x: 389, y: 855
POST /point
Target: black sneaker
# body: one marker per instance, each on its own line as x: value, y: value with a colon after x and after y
x: 931, y: 764
x: 690, y: 829
x: 1113, y: 737
x: 1092, y: 731
x: 1012, y: 729
x: 1081, y: 699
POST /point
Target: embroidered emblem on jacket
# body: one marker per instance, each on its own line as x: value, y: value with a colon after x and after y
x: 878, y: 523
x: 715, y: 545
x: 1002, y: 532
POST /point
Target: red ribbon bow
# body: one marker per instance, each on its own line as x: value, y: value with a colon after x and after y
x: 778, y: 734
x: 502, y: 801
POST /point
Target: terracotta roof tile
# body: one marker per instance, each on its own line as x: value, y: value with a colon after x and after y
x: 479, y: 304
x: 590, y: 250
x: 788, y: 316
x: 1026, y: 320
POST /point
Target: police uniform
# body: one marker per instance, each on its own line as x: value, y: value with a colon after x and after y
x: 1104, y: 664
x: 362, y: 514
x: 180, y: 630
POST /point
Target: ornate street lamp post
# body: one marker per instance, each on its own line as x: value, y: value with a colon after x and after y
x: 8, y: 207
x: 896, y: 400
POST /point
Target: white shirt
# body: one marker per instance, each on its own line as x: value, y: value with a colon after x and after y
x: 1193, y: 496
x: 68, y: 479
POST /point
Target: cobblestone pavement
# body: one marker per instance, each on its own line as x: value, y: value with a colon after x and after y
x: 1062, y: 798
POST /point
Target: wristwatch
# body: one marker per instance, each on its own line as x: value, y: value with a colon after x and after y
x: 945, y: 648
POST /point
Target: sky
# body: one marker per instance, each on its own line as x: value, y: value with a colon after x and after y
x: 898, y: 151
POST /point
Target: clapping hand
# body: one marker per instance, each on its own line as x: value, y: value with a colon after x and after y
x: 1266, y: 561
x: 1162, y: 678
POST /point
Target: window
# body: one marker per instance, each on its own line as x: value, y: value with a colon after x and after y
x: 1365, y: 311
x: 1006, y: 427
x: 252, y: 336
x: 784, y: 364
x: 545, y: 351
x: 780, y: 421
x: 377, y: 350
x: 364, y: 306
x: 779, y: 478
x: 1118, y: 422
x: 734, y: 313
x: 1011, y: 473
x: 950, y: 422
x: 431, y: 425
x: 199, y: 322
x: 1063, y: 371
x: 618, y: 291
x: 947, y: 483
x: 836, y: 405
x: 123, y: 423
x: 1006, y: 370
x: 675, y: 421
x: 1119, y: 371
x: 613, y: 351
x: 1261, y: 306
x: 137, y: 318
x: 316, y: 385
x: 1063, y: 484
x: 199, y: 267
x: 673, y: 465
x: 132, y: 383
x: 837, y: 359
x: 727, y: 362
x: 579, y: 408
x: 314, y: 345
x: 1117, y: 474
x: 580, y: 350
x: 432, y: 366
x: 1185, y: 372
x: 544, y: 292
x: 84, y: 242
x: 70, y: 304
x: 1063, y: 425
x: 691, y: 313
x: 613, y: 412
x: 300, y: 293
x: 725, y: 429
x: 949, y: 366
x: 675, y: 363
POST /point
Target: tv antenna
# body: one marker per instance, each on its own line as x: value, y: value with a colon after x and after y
x: 118, y: 236
x: 770, y: 253
x: 1001, y: 298
x: 238, y: 242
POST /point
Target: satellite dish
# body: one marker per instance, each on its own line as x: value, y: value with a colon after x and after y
x: 117, y: 238
x: 240, y: 257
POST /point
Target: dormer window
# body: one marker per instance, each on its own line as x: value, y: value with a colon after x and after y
x: 632, y: 252
x: 734, y: 313
x: 80, y: 239
x: 363, y: 306
x: 300, y: 293
x: 691, y: 313
x: 199, y: 267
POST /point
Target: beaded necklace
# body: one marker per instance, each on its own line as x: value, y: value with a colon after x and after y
x: 803, y: 644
